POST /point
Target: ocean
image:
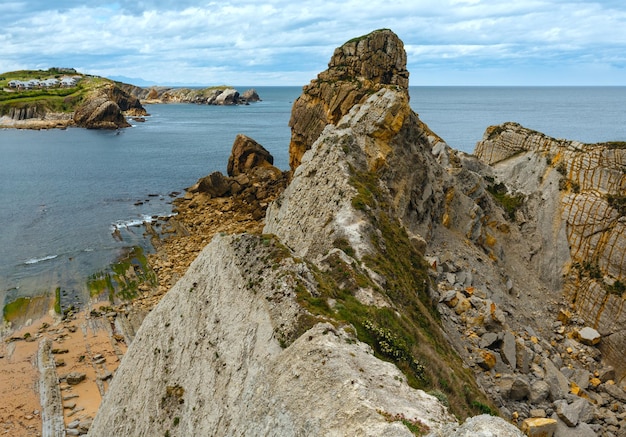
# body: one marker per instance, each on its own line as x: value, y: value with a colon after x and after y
x: 64, y: 192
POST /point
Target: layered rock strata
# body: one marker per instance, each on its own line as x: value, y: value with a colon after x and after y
x: 579, y: 239
x: 356, y: 69
x: 104, y: 108
x: 206, y: 96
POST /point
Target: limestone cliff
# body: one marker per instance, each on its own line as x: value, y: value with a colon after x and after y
x: 389, y: 265
x: 575, y: 217
x: 357, y: 68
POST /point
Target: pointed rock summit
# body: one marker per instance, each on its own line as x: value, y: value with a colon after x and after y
x: 356, y: 70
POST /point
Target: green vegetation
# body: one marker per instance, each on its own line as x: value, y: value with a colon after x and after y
x: 57, y: 300
x: 591, y: 269
x: 21, y: 309
x: 510, y: 203
x: 362, y: 37
x: 614, y: 144
x: 415, y: 426
x: 124, y: 277
x: 12, y: 309
x: 408, y: 333
x: 618, y: 288
x: 617, y: 202
x: 54, y: 99
x: 484, y: 408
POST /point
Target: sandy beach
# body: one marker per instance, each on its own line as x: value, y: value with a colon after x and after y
x: 82, y: 344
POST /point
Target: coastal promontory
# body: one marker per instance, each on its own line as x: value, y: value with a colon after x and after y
x: 398, y: 285
x: 59, y: 98
x: 386, y: 285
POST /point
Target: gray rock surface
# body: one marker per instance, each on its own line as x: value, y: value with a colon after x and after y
x: 479, y: 426
x: 615, y: 391
x: 49, y: 392
x: 509, y: 349
x: 210, y: 354
x: 580, y: 430
x: 557, y: 383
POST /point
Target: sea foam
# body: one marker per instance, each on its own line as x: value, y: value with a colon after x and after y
x: 38, y: 260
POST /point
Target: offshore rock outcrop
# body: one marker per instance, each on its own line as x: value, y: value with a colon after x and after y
x: 104, y: 108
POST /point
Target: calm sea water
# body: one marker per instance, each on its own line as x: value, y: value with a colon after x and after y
x: 63, y: 192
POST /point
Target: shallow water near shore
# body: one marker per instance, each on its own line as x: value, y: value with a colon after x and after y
x: 65, y: 192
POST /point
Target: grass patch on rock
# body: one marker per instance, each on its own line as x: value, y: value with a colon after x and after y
x: 124, y: 278
x: 509, y: 202
x: 408, y: 330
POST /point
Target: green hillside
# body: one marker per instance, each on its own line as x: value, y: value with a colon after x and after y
x: 56, y: 98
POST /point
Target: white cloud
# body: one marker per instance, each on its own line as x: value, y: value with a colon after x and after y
x: 281, y: 42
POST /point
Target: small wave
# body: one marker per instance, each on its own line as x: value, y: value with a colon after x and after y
x: 125, y: 224
x: 38, y: 260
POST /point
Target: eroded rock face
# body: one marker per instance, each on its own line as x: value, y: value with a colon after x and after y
x: 382, y: 216
x: 247, y: 154
x: 357, y: 69
x: 210, y: 354
x: 104, y: 109
x: 206, y: 96
x: 575, y: 218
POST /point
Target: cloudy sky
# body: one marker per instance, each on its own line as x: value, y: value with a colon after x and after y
x: 287, y: 42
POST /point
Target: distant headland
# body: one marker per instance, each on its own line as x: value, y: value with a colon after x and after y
x: 64, y: 97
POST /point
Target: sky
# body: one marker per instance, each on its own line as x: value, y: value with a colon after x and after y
x: 287, y: 42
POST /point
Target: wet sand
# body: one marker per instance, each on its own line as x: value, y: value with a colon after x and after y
x: 82, y: 344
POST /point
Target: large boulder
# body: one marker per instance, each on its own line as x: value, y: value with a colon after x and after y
x: 215, y: 185
x: 247, y: 154
x: 229, y: 96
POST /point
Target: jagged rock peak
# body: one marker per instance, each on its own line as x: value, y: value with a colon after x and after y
x: 378, y: 57
x: 357, y: 69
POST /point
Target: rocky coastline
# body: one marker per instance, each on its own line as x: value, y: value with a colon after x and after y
x: 218, y: 96
x: 110, y: 105
x: 88, y: 344
x: 103, y: 105
x: 475, y: 277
